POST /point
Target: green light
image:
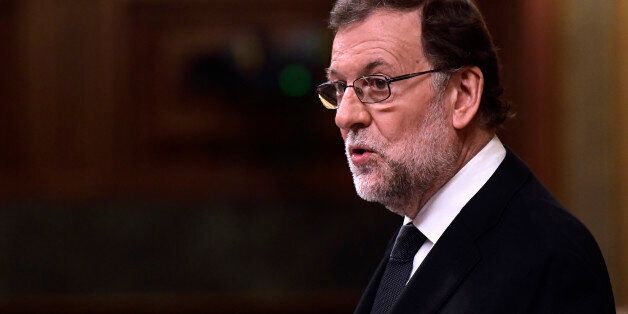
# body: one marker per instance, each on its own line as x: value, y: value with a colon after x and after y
x: 295, y: 80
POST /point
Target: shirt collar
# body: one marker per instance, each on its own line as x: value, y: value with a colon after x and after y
x: 438, y: 213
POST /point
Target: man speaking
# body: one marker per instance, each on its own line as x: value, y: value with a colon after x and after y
x: 417, y: 94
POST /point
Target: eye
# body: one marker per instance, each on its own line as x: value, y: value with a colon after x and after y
x: 377, y: 82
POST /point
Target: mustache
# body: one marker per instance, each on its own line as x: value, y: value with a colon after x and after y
x: 363, y: 140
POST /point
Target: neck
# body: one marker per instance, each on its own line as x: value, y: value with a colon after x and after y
x: 469, y: 144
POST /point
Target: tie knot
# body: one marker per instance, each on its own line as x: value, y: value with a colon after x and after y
x: 408, y: 242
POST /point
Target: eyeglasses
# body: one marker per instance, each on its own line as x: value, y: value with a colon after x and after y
x: 369, y: 89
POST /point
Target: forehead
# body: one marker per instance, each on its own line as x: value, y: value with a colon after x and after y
x: 389, y: 39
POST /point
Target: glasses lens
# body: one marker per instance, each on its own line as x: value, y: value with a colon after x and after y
x: 373, y: 88
x: 328, y: 94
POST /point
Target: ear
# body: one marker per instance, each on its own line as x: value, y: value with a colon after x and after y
x: 468, y: 86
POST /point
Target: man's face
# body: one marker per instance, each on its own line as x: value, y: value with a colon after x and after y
x: 397, y: 148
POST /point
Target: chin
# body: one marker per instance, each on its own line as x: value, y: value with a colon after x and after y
x: 366, y: 188
x: 376, y: 190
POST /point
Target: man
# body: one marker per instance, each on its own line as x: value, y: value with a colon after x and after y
x: 417, y: 93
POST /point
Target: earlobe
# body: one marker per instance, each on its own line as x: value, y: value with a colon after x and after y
x: 469, y: 83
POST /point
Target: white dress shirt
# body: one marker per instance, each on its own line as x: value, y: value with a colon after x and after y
x: 438, y: 213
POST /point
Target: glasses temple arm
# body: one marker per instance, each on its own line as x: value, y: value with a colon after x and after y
x: 407, y: 76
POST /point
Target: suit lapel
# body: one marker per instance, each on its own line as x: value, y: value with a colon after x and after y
x: 445, y: 267
x: 455, y: 254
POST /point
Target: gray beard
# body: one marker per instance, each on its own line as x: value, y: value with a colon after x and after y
x: 426, y: 157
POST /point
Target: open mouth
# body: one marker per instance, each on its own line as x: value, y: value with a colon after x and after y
x: 360, y: 155
x: 358, y: 151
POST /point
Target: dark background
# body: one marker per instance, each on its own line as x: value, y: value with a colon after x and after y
x: 172, y: 156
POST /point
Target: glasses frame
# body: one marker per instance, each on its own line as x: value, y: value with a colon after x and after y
x: 387, y: 79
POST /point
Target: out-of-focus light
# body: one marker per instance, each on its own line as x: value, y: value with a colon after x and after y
x: 295, y: 80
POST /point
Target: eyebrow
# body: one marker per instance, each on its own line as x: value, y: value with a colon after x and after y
x: 373, y: 65
x: 365, y: 71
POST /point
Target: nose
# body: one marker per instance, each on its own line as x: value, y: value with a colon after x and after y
x: 351, y: 112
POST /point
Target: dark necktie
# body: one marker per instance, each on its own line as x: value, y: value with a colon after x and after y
x: 399, y: 267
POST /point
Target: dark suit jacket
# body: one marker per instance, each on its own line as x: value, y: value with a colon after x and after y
x: 512, y: 249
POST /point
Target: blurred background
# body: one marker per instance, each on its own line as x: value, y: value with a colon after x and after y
x: 171, y: 155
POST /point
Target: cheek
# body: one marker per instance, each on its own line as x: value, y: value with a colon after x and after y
x: 395, y: 126
x: 405, y: 114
